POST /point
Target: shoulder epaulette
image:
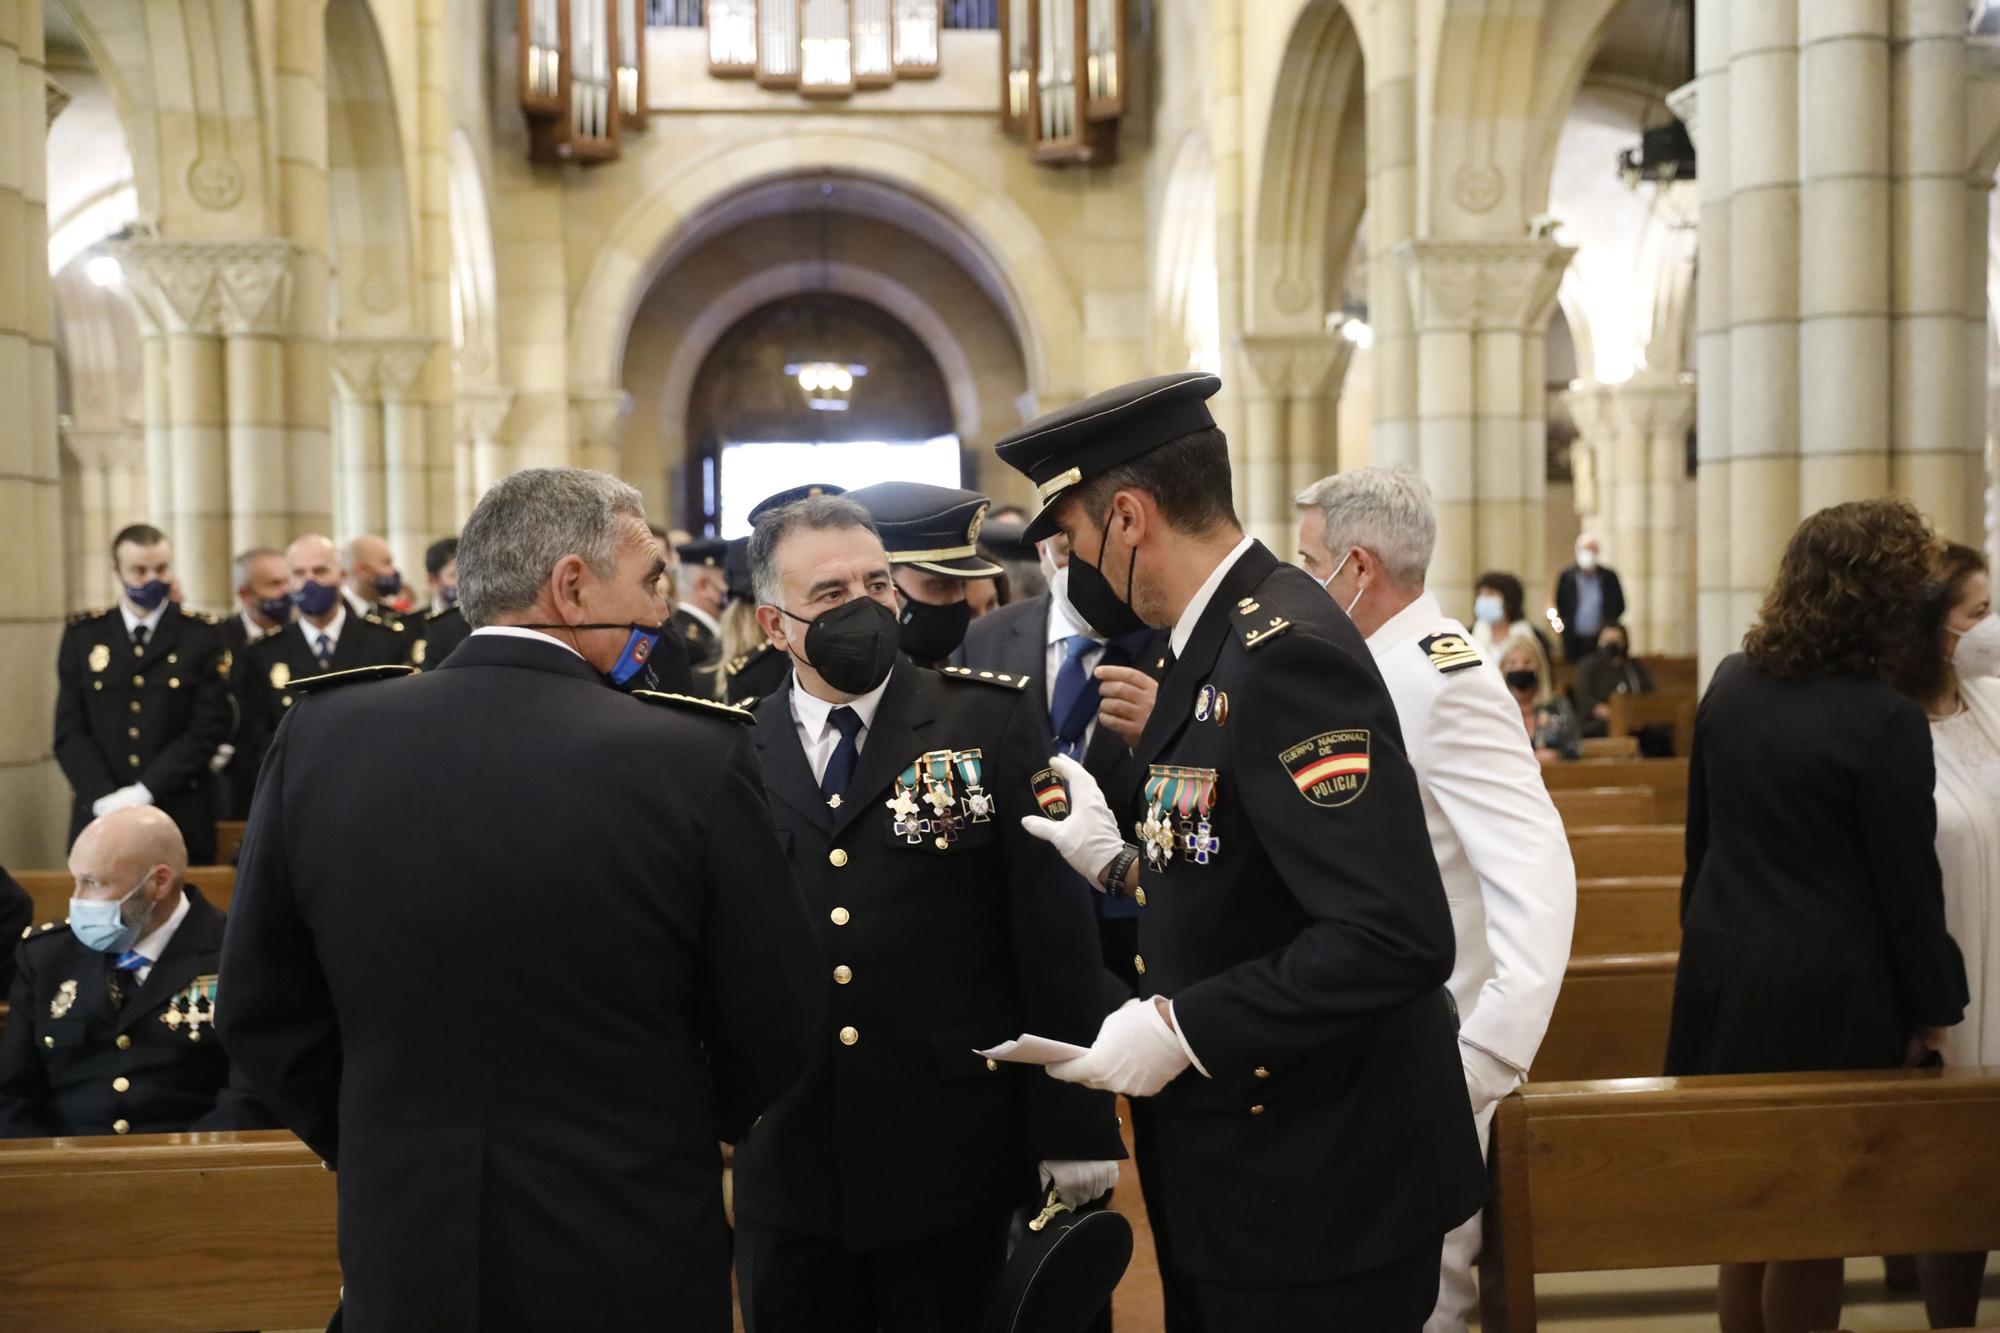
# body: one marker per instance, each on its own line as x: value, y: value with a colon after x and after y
x: 1254, y: 626
x: 1450, y: 651
x: 730, y: 711
x: 393, y: 626
x: 46, y: 928
x: 333, y: 680
x: 205, y: 617
x: 1000, y: 678
x: 735, y: 664
x: 83, y: 617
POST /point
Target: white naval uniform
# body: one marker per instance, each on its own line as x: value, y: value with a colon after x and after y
x: 1504, y: 858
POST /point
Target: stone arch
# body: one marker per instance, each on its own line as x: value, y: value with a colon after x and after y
x: 475, y: 308
x: 368, y: 203
x: 988, y: 227
x: 1186, y: 288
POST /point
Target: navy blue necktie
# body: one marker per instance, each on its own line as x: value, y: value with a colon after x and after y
x: 1074, y: 703
x: 840, y: 767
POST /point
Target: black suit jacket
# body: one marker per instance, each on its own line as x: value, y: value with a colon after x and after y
x: 519, y: 1038
x: 1812, y: 915
x: 266, y: 678
x: 154, y: 716
x: 1305, y: 952
x: 701, y: 644
x: 17, y: 911
x: 928, y: 955
x: 239, y: 776
x: 1614, y: 599
x: 62, y: 1059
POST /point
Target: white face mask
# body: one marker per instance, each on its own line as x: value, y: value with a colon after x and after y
x: 1326, y: 584
x: 1978, y: 651
x: 1586, y: 560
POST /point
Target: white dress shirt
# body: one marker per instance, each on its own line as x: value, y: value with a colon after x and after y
x: 1065, y: 623
x: 151, y: 620
x: 1184, y: 627
x: 516, y: 632
x: 332, y: 630
x: 252, y: 631
x: 817, y: 734
x: 155, y: 944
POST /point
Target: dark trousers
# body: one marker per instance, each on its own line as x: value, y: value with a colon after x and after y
x: 789, y: 1282
x: 1395, y: 1298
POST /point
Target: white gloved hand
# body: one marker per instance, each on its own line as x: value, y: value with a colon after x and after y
x: 223, y: 754
x: 1135, y: 1053
x: 123, y: 798
x: 1488, y: 1078
x: 1079, y: 1182
x: 1089, y: 838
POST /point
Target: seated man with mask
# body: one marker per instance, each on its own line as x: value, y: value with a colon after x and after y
x: 876, y: 1193
x: 932, y: 536
x: 113, y: 1028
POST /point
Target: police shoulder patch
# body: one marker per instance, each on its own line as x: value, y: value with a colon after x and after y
x: 1450, y: 652
x: 1004, y: 680
x: 696, y: 704
x: 333, y: 680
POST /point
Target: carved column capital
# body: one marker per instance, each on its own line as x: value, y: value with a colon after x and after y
x: 596, y: 416
x: 1479, y: 285
x: 478, y: 414
x: 208, y: 287
x: 372, y: 370
x: 1296, y: 365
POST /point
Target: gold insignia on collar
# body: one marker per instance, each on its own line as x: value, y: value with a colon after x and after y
x: 65, y: 997
x: 224, y: 663
x: 100, y: 657
x: 281, y: 675
x: 417, y: 651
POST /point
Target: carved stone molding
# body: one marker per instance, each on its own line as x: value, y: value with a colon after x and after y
x: 54, y: 99
x: 1476, y: 285
x: 1685, y: 102
x: 1296, y: 365
x: 595, y: 417
x: 208, y: 287
x: 478, y: 414
x: 379, y: 370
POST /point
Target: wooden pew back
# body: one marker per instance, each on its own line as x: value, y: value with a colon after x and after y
x: 1626, y: 850
x: 1610, y: 1019
x: 1639, y: 914
x: 228, y: 839
x: 51, y: 889
x: 1661, y: 1173
x: 165, y: 1232
x: 1631, y: 713
x: 1667, y: 777
x: 1590, y: 807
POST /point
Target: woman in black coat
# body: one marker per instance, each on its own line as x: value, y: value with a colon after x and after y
x: 1812, y: 914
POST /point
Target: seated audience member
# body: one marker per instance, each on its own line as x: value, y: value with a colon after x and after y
x: 1608, y: 671
x: 17, y: 910
x: 984, y: 595
x: 1547, y: 716
x: 113, y: 1011
x: 1499, y: 615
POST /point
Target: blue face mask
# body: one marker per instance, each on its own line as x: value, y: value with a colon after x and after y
x: 316, y: 599
x: 100, y: 923
x: 275, y: 608
x: 630, y: 670
x: 1487, y: 608
x: 448, y: 595
x: 148, y: 595
x: 388, y: 585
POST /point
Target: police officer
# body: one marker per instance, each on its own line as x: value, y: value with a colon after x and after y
x: 263, y: 599
x: 327, y: 636
x: 1367, y: 537
x: 932, y: 536
x: 760, y: 670
x: 1293, y: 930
x: 443, y: 627
x: 704, y: 587
x: 142, y: 700
x: 373, y: 585
x: 113, y: 1028
x: 876, y: 1193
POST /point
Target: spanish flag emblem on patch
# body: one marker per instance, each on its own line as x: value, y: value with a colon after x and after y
x: 1050, y: 794
x: 1331, y: 768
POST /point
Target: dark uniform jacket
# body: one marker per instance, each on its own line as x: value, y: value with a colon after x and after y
x: 265, y: 679
x: 17, y: 910
x: 154, y: 715
x: 702, y: 645
x: 443, y: 630
x: 1812, y: 915
x: 754, y: 675
x: 519, y: 1039
x: 239, y: 775
x: 1302, y: 933
x: 929, y: 954
x: 74, y: 1064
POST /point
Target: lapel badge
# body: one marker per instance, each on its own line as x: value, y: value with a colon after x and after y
x: 1221, y: 708
x: 1050, y: 794
x: 1204, y: 703
x: 100, y: 657
x: 65, y: 997
x: 281, y: 675
x: 833, y: 802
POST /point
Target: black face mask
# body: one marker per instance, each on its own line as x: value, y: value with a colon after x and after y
x: 1614, y: 650
x: 932, y: 633
x: 852, y: 646
x: 1521, y: 682
x: 1091, y: 595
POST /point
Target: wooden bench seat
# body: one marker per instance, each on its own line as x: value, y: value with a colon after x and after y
x: 1667, y: 777
x: 1631, y: 915
x: 1588, y: 807
x: 1622, y: 851
x: 1610, y: 1019
x: 165, y: 1232
x: 1664, y: 1173
x: 228, y: 839
x: 50, y: 889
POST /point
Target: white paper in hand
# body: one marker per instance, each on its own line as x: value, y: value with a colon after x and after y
x: 1028, y: 1049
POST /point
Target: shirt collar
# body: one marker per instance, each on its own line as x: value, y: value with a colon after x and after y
x: 252, y: 630
x: 813, y: 711
x: 532, y: 635
x: 151, y: 620
x: 1064, y: 622
x: 1424, y: 613
x: 332, y: 629
x: 155, y: 944
x: 1184, y: 627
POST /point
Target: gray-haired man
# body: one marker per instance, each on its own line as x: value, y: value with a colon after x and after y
x: 1367, y: 536
x: 519, y: 1038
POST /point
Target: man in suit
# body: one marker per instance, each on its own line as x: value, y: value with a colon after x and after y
x: 876, y: 1194
x: 522, y: 1090
x: 373, y: 585
x: 113, y: 1027
x: 1367, y: 536
x: 704, y: 587
x: 1588, y: 597
x: 17, y: 912
x: 1293, y: 931
x: 142, y: 701
x: 327, y: 636
x: 764, y: 669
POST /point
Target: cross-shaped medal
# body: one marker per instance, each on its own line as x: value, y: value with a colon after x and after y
x: 904, y: 807
x: 1201, y: 844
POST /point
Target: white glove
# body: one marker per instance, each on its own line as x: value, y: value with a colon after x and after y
x: 1488, y: 1078
x: 223, y: 754
x: 123, y: 798
x: 1079, y: 1182
x: 1135, y: 1053
x: 1089, y: 839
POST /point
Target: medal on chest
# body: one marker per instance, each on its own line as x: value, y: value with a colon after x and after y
x: 1180, y: 803
x: 192, y: 1007
x: 926, y: 803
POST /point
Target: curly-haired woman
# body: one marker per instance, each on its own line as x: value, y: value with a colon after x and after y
x: 1812, y: 918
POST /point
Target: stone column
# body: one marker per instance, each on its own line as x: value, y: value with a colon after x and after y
x: 255, y: 284
x: 1641, y: 426
x: 298, y: 131
x: 1292, y: 442
x: 406, y: 465
x: 594, y: 422
x: 33, y: 798
x: 360, y: 504
x: 1482, y: 310
x: 111, y: 471
x: 1393, y: 197
x: 483, y: 454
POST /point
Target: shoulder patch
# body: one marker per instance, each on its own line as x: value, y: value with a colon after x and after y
x: 999, y: 678
x: 333, y: 680
x: 1450, y: 652
x: 85, y: 617
x: 696, y: 704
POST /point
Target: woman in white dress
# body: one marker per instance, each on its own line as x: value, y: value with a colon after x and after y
x: 1965, y: 735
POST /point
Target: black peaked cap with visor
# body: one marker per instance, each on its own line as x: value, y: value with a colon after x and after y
x: 933, y: 528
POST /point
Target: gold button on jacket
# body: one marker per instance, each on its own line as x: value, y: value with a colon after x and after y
x: 838, y: 916
x: 121, y: 1084
x: 838, y: 857
x: 843, y: 974
x: 848, y: 1036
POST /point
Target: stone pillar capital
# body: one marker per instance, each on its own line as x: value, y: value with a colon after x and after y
x: 208, y: 287
x: 595, y: 416
x: 371, y: 370
x: 1294, y: 364
x: 1645, y: 405
x: 54, y: 99
x: 1478, y: 285
x: 1685, y: 103
x: 479, y: 413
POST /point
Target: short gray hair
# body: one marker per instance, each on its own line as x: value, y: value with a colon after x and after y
x: 1386, y: 510
x: 243, y: 558
x: 814, y: 513
x: 529, y: 521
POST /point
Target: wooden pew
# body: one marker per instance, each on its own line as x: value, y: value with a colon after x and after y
x: 51, y: 889
x: 1667, y: 777
x: 1588, y: 807
x: 1663, y: 1173
x: 1673, y: 675
x: 1622, y: 851
x: 1610, y: 1019
x: 1608, y: 747
x: 1637, y: 914
x: 228, y: 839
x: 1632, y: 713
x: 165, y: 1232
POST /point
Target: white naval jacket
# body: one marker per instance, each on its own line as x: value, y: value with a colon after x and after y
x: 1500, y: 845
